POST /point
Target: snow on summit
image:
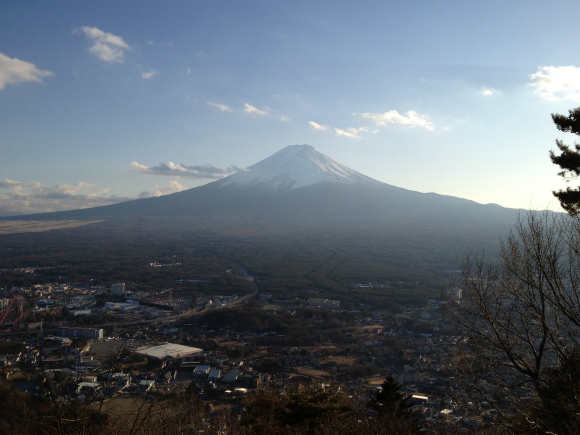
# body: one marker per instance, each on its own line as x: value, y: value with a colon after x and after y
x: 297, y: 166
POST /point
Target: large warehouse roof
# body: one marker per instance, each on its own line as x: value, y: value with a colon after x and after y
x: 171, y: 350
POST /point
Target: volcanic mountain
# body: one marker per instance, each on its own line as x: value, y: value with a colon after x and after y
x: 301, y: 184
x: 297, y: 218
x: 297, y: 166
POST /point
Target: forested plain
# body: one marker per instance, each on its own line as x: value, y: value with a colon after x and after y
x: 325, y: 258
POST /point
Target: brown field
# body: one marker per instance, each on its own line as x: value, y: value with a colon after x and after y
x: 15, y: 227
x: 312, y: 373
x: 272, y: 307
x: 375, y: 382
x: 341, y: 360
x: 125, y: 405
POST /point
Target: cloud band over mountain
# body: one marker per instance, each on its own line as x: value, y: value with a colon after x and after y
x: 207, y: 172
x: 410, y: 118
x: 34, y: 197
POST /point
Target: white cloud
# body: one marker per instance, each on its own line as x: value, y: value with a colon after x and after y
x: 222, y: 107
x: 351, y: 132
x: 555, y: 83
x: 251, y: 109
x: 284, y: 118
x: 173, y: 187
x: 488, y: 92
x: 33, y: 197
x: 148, y: 75
x: 14, y: 71
x: 316, y: 126
x: 357, y: 130
x: 347, y: 133
x: 206, y: 172
x: 411, y: 118
x: 106, y: 46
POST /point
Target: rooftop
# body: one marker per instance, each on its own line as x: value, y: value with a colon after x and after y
x: 169, y: 350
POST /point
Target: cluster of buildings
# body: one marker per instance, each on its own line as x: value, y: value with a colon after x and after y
x: 96, y: 334
x: 369, y: 285
x: 411, y: 346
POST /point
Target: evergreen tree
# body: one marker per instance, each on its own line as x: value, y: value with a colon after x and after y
x: 390, y: 402
x: 568, y: 160
x: 308, y: 408
x: 191, y: 388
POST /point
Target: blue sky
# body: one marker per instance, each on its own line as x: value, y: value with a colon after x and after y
x: 104, y: 101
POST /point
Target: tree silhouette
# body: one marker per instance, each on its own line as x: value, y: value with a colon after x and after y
x: 559, y: 411
x: 191, y: 388
x: 390, y: 402
x: 521, y: 324
x: 310, y: 411
x: 568, y: 160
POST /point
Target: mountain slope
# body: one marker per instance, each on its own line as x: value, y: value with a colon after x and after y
x: 300, y: 184
x: 297, y: 219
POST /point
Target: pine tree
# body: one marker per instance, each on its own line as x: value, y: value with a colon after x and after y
x: 568, y: 160
x: 390, y: 402
x: 191, y: 388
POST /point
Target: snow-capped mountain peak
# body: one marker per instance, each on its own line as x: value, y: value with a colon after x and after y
x: 297, y: 166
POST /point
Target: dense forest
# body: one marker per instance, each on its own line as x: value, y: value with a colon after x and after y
x: 287, y: 260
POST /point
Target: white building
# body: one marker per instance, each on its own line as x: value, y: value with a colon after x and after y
x: 172, y: 352
x: 123, y: 306
x: 80, y: 312
x: 118, y: 289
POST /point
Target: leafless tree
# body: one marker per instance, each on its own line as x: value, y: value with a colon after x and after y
x: 520, y: 319
x: 62, y: 414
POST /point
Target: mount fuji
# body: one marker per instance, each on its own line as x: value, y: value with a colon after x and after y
x: 297, y: 215
x: 300, y: 184
x: 297, y: 166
